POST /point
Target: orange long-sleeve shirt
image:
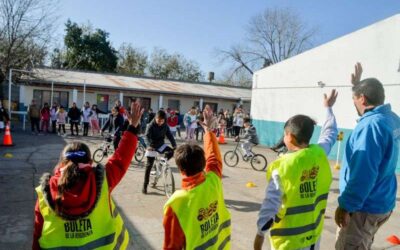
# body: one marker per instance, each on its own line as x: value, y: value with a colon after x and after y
x: 174, y: 238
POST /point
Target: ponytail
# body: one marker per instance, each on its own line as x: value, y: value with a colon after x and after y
x: 72, y: 155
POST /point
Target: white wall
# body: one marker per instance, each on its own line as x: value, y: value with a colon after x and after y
x: 290, y: 87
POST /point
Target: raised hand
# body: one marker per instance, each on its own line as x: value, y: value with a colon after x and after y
x: 356, y: 76
x: 135, y: 114
x: 330, y: 100
x: 209, y: 119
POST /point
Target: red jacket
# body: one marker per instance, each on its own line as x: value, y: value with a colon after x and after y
x: 174, y: 238
x: 82, y: 196
x: 172, y: 121
x: 45, y: 114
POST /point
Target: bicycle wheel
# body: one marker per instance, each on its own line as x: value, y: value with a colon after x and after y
x: 98, y: 155
x: 231, y: 158
x: 258, y: 162
x: 139, y: 154
x: 169, y: 182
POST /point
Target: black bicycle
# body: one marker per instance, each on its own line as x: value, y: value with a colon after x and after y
x: 257, y: 161
x: 107, y: 148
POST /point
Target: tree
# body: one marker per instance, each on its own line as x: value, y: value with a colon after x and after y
x: 131, y: 60
x: 87, y: 49
x: 173, y: 66
x: 272, y: 36
x: 26, y: 27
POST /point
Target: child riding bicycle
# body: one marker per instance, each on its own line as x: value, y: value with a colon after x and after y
x: 250, y: 138
x: 156, y: 131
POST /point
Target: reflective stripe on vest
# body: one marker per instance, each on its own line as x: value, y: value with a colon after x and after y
x: 305, y: 180
x: 101, y: 229
x: 202, y: 214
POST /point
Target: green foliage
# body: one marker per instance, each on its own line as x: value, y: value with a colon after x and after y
x: 88, y: 50
x: 131, y: 60
x: 173, y: 66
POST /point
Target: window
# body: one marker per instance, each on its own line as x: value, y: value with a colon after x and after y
x: 174, y: 104
x: 43, y: 96
x: 145, y: 101
x: 102, y: 102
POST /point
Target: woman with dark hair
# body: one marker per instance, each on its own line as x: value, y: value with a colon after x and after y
x: 74, y: 209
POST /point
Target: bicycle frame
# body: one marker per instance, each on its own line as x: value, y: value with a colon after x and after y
x: 239, y: 150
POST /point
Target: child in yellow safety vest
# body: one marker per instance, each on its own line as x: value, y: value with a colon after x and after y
x: 298, y: 185
x: 196, y: 216
x: 74, y: 209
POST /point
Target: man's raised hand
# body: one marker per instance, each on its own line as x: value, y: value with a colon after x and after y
x: 356, y: 76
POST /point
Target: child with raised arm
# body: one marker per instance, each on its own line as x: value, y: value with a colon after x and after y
x: 298, y: 185
x: 196, y: 217
x: 74, y: 209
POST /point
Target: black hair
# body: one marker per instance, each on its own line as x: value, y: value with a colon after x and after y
x: 372, y: 89
x: 161, y: 115
x: 246, y: 120
x: 301, y: 127
x: 190, y: 159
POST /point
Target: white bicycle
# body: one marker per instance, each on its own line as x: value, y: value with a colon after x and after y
x: 162, y: 171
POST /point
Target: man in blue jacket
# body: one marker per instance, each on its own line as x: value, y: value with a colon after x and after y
x: 367, y: 179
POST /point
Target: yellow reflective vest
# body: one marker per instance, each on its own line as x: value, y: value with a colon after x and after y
x: 305, y: 177
x: 103, y: 228
x: 202, y: 214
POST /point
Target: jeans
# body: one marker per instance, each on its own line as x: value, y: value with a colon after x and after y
x: 168, y: 153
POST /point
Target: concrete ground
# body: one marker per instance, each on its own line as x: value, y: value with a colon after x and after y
x: 33, y: 155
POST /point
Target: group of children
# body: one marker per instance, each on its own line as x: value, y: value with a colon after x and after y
x: 74, y: 209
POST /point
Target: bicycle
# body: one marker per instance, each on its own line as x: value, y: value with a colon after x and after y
x: 140, y: 150
x: 107, y: 148
x: 162, y: 169
x: 257, y: 161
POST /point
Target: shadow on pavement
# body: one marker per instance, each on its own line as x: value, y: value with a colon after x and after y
x: 137, y: 239
x: 243, y: 206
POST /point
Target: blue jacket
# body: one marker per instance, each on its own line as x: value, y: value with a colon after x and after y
x: 367, y: 178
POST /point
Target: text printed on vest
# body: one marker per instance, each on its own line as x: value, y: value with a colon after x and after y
x: 78, y: 228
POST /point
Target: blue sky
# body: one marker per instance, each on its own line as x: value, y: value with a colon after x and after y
x: 196, y: 28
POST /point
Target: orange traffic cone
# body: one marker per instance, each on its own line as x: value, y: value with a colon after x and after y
x: 393, y: 239
x: 7, y: 140
x: 221, y: 138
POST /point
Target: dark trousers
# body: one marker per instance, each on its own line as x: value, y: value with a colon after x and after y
x: 85, y: 128
x: 54, y: 126
x: 168, y: 153
x: 61, y: 126
x: 74, y: 124
x: 34, y: 123
x: 116, y: 141
x: 199, y: 130
x: 236, y: 130
x: 178, y: 130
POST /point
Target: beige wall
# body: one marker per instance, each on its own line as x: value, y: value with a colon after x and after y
x: 91, y: 96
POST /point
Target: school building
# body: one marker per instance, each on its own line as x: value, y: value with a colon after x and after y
x: 68, y: 86
x: 296, y: 85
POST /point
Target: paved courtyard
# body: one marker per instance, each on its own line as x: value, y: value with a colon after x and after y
x: 34, y: 155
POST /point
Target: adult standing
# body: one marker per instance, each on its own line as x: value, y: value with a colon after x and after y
x: 34, y: 116
x: 237, y: 121
x: 368, y: 183
x: 74, y: 115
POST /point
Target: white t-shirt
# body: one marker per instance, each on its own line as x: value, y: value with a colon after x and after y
x: 193, y: 119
